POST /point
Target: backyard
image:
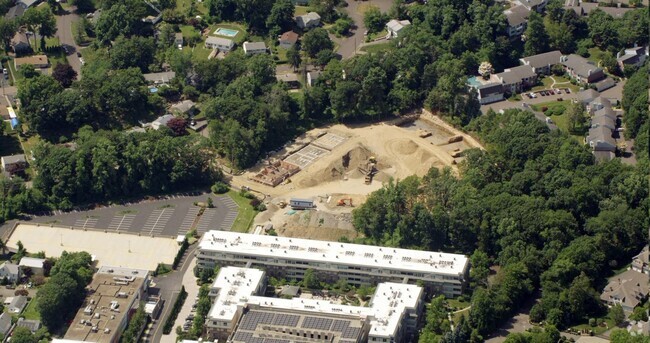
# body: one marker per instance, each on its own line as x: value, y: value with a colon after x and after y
x: 374, y: 48
x: 30, y: 311
x: 555, y: 110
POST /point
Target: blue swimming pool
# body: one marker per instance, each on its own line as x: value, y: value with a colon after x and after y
x: 226, y: 32
x: 473, y: 81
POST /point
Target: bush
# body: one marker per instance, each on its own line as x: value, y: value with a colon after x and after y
x: 544, y: 109
x: 255, y: 203
x: 169, y: 323
x: 592, y: 322
x: 22, y: 292
x: 220, y: 188
x: 180, y: 254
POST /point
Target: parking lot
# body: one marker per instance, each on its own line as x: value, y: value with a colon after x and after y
x: 174, y: 215
x: 547, y: 92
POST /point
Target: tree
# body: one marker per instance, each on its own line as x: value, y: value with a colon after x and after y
x: 137, y: 322
x: 7, y: 31
x: 315, y: 41
x: 374, y: 20
x: 576, y: 115
x: 608, y: 61
x: 281, y: 17
x: 537, y: 40
x: 23, y: 335
x: 617, y: 314
x: 132, y: 52
x: 178, y: 126
x: 310, y: 280
x: 64, y: 74
x: 485, y: 69
x: 43, y: 19
x: 115, y: 21
x: 602, y: 30
x: 83, y: 6
x: 293, y: 56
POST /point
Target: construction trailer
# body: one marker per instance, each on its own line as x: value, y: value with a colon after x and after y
x: 301, y: 204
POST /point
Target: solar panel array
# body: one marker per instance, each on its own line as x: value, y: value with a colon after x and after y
x: 253, y: 321
x: 317, y: 323
x: 282, y: 319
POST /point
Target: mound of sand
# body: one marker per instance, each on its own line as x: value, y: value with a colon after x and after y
x: 405, y: 147
x: 347, y: 165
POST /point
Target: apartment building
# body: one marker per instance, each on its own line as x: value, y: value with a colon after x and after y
x: 357, y: 264
x: 239, y: 314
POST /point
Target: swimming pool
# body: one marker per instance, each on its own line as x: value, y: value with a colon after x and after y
x: 473, y: 81
x: 225, y: 32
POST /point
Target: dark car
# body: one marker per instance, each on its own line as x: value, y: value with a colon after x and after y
x: 78, y: 54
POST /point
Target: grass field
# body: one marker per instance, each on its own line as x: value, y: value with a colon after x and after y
x: 378, y: 47
x: 30, y: 311
x: 597, y: 329
x: 561, y: 120
x: 546, y: 84
x: 246, y: 212
x: 595, y: 55
x: 184, y: 5
x: 300, y: 10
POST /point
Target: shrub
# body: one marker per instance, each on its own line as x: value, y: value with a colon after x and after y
x: 255, y: 203
x: 220, y: 188
x: 22, y: 292
x: 592, y: 322
x: 544, y: 108
x: 169, y: 323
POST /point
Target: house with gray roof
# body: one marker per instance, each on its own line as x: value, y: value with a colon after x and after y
x: 5, y: 323
x: 395, y: 27
x: 600, y: 139
x: 20, y: 43
x: 308, y: 21
x: 17, y: 304
x: 219, y: 43
x: 586, y: 96
x: 31, y: 324
x: 13, y: 164
x: 598, y: 103
x: 582, y: 69
x: 605, y: 84
x: 628, y: 289
x: 542, y: 63
x: 517, y: 18
x: 10, y: 271
x: 254, y: 48
x: 605, y: 121
x: 489, y: 93
x: 161, y: 121
x: 515, y: 80
x: 183, y: 107
x: 159, y: 78
x: 312, y: 77
x: 534, y: 5
x: 632, y: 57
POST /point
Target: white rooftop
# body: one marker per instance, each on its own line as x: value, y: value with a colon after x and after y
x: 31, y: 262
x: 235, y: 286
x: 339, y: 253
x: 389, y: 303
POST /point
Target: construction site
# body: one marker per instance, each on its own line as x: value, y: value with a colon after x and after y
x: 338, y: 166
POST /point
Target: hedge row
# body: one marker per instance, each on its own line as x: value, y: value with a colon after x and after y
x: 169, y: 323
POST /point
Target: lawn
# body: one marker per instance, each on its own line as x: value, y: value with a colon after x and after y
x: 561, y: 120
x: 56, y: 57
x: 199, y: 52
x: 282, y: 55
x: 184, y: 5
x: 598, y: 329
x: 15, y: 76
x: 458, y: 304
x: 30, y: 311
x: 30, y: 144
x: 239, y: 37
x: 388, y: 46
x: 546, y: 84
x: 595, y: 55
x: 300, y: 10
x: 246, y: 212
x: 374, y: 35
x: 553, y: 106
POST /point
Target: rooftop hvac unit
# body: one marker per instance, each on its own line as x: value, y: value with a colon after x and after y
x: 97, y: 315
x: 95, y: 328
x: 107, y: 330
x: 122, y: 295
x: 88, y: 310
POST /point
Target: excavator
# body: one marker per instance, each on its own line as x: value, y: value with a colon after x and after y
x: 345, y: 202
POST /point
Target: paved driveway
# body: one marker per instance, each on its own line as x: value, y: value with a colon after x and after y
x: 349, y: 45
x: 64, y: 32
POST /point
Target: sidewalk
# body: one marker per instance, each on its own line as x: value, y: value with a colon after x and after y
x: 192, y: 289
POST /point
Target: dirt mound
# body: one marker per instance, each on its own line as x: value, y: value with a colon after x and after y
x: 405, y: 147
x: 345, y: 166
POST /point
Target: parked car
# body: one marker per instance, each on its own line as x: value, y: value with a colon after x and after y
x: 549, y: 121
x: 543, y: 93
x: 558, y: 91
x: 567, y: 90
x: 551, y: 92
x: 559, y: 99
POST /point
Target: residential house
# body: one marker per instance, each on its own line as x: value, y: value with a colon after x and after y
x: 20, y: 43
x: 628, y: 289
x: 17, y: 304
x: 534, y: 5
x: 515, y: 80
x: 38, y: 61
x: 290, y: 79
x: 13, y: 164
x: 582, y: 69
x: 161, y: 121
x: 639, y: 327
x: 183, y: 107
x: 36, y: 265
x: 288, y: 39
x: 178, y: 39
x: 31, y: 324
x: 517, y: 18
x: 15, y: 12
x: 27, y: 3
x: 394, y: 27
x: 159, y: 78
x: 632, y: 57
x: 600, y: 139
x: 307, y: 21
x: 219, y: 43
x: 10, y: 271
x: 598, y: 103
x: 587, y: 96
x: 312, y: 77
x: 300, y: 2
x: 584, y: 8
x: 604, y: 120
x: 5, y: 323
x: 641, y: 262
x: 604, y: 84
x: 254, y: 48
x: 542, y: 63
x: 489, y: 93
x: 608, y: 113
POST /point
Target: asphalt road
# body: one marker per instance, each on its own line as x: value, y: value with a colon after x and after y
x: 168, y: 217
x: 64, y: 32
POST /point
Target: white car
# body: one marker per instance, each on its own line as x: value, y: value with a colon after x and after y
x: 81, y: 59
